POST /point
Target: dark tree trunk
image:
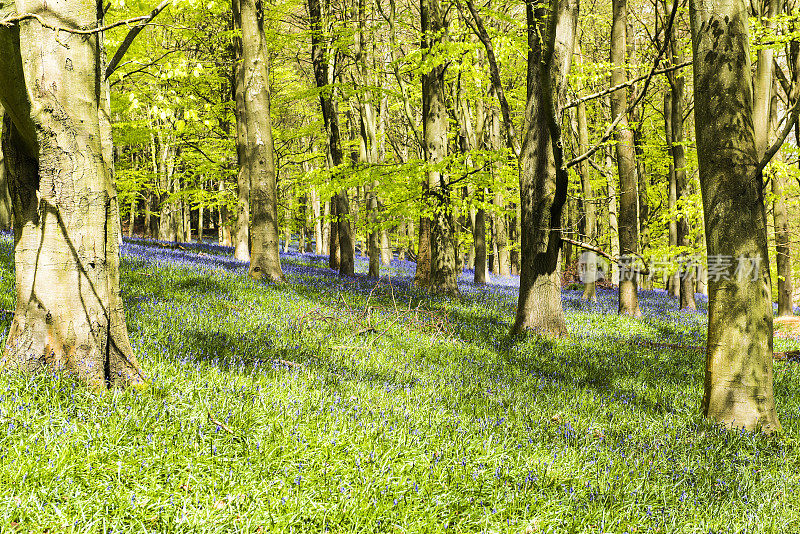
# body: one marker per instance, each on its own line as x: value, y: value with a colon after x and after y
x: 323, y: 74
x: 543, y: 176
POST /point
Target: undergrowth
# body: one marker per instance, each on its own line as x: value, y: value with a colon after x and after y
x: 342, y: 405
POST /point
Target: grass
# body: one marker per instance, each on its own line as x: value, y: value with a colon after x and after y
x: 278, y: 409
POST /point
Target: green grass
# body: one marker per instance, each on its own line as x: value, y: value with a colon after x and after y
x: 418, y: 426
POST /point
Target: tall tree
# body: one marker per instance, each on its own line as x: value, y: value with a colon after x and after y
x: 543, y: 175
x: 626, y: 165
x: 324, y: 75
x: 763, y: 114
x: 590, y: 208
x: 5, y: 199
x: 676, y: 148
x: 443, y: 276
x: 738, y: 382
x: 254, y: 139
x: 68, y: 314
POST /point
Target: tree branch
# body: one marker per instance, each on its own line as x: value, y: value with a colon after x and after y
x: 610, y: 130
x: 790, y: 118
x: 15, y: 19
x: 604, y: 254
x: 626, y: 84
x: 480, y: 30
x: 132, y: 34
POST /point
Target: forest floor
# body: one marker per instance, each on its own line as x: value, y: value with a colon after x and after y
x: 345, y: 405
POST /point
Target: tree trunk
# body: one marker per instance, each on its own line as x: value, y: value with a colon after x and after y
x: 316, y: 208
x: 764, y: 111
x: 738, y: 382
x: 677, y: 82
x: 626, y: 166
x: 543, y: 176
x: 225, y: 235
x: 68, y: 315
x: 5, y: 198
x: 481, y: 275
x: 613, y: 221
x: 254, y: 142
x: 674, y: 279
x: 443, y: 276
x: 333, y: 235
x: 590, y: 275
x: 324, y: 77
x: 501, y: 228
x: 422, y: 274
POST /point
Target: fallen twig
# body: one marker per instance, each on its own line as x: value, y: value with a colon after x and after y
x: 220, y: 424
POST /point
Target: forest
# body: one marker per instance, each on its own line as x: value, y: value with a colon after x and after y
x: 385, y: 266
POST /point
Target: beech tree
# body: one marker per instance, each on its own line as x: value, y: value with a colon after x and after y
x: 738, y: 384
x: 543, y: 175
x: 5, y: 200
x: 442, y: 275
x: 626, y: 165
x: 254, y: 140
x: 68, y: 314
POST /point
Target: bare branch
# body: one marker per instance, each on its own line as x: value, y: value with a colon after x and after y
x: 610, y: 130
x: 625, y: 84
x: 126, y: 43
x: 15, y: 19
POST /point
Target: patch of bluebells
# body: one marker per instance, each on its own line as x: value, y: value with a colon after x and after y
x: 465, y: 432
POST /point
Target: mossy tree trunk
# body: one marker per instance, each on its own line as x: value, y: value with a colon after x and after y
x: 738, y: 381
x: 68, y: 315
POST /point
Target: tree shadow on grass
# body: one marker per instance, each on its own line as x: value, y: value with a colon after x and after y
x: 590, y: 362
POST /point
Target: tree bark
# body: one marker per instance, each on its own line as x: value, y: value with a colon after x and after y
x: 543, y: 177
x: 677, y: 83
x: 783, y: 252
x: 674, y: 279
x: 590, y: 276
x: 502, y: 263
x: 5, y: 198
x: 613, y: 219
x: 324, y: 77
x: 626, y: 166
x: 254, y: 141
x: 68, y: 316
x: 443, y: 277
x: 738, y: 381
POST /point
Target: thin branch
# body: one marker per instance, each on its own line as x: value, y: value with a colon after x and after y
x: 126, y: 43
x: 610, y: 130
x: 14, y: 19
x: 790, y: 118
x: 626, y: 84
x: 604, y: 254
